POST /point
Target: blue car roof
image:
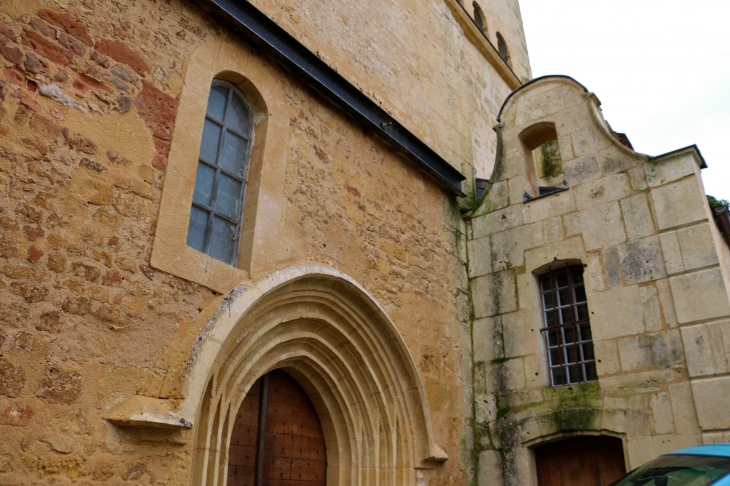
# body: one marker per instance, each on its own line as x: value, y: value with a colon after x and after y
x: 706, y: 450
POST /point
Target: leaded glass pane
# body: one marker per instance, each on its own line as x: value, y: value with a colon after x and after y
x: 234, y: 154
x: 238, y: 117
x: 217, y: 102
x: 222, y: 240
x: 204, y: 180
x: 220, y: 179
x: 209, y: 143
x: 228, y: 199
x: 196, y: 228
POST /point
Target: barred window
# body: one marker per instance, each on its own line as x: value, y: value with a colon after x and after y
x: 567, y: 328
x: 220, y: 183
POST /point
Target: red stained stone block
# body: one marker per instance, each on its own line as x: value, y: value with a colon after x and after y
x: 69, y: 24
x: 46, y: 48
x: 121, y: 52
x: 158, y: 110
x: 12, y: 54
x: 34, y: 254
x: 15, y: 75
x: 83, y: 84
x: 26, y: 100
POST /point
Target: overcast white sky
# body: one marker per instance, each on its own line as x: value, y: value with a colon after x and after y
x: 660, y: 68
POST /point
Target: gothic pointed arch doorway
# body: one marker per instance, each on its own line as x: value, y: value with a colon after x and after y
x: 277, y: 438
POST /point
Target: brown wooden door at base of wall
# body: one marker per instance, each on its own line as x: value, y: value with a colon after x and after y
x: 291, y: 452
x: 580, y: 461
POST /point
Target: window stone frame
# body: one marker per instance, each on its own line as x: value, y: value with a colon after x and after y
x: 262, y: 225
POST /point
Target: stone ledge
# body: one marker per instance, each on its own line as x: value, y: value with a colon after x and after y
x: 139, y: 411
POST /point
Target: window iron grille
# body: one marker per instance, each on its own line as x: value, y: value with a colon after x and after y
x: 567, y: 330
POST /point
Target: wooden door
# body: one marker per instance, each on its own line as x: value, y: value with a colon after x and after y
x: 290, y: 451
x: 580, y: 461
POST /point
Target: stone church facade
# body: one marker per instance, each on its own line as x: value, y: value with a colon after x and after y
x: 251, y: 243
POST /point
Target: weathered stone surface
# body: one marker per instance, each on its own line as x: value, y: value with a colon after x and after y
x: 60, y: 386
x: 602, y: 191
x: 637, y: 217
x: 707, y: 394
x: 600, y: 226
x: 12, y: 379
x: 610, y: 321
x: 650, y: 350
x: 479, y: 251
x: 494, y: 294
x: 699, y: 296
x: 549, y: 206
x: 641, y: 260
x: 671, y: 252
x: 508, y: 247
x: 678, y: 203
x: 698, y: 246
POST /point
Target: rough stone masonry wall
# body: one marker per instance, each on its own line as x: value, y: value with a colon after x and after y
x: 402, y: 53
x: 88, y: 95
x: 656, y: 294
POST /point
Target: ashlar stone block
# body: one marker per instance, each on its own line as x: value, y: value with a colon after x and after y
x: 699, y: 296
x: 707, y: 347
x: 642, y: 260
x: 494, y: 294
x: 488, y: 339
x: 661, y: 409
x: 672, y: 254
x: 607, y: 360
x: 610, y: 320
x: 665, y: 171
x: 613, y: 268
x: 601, y: 226
x: 548, y: 206
x: 650, y: 308
x: 508, y: 247
x: 480, y: 262
x: 539, y: 106
x: 552, y: 230
x: 614, y: 159
x: 698, y: 246
x: 499, y: 220
x: 521, y: 332
x: 678, y: 203
x: 637, y: 217
x: 581, y: 169
x: 570, y: 249
x: 666, y: 302
x: 650, y: 350
x: 711, y: 399
x: 602, y: 191
x: 683, y: 408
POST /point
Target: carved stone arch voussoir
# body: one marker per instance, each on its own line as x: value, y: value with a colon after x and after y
x: 321, y: 327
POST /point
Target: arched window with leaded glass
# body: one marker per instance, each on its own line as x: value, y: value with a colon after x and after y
x: 220, y: 183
